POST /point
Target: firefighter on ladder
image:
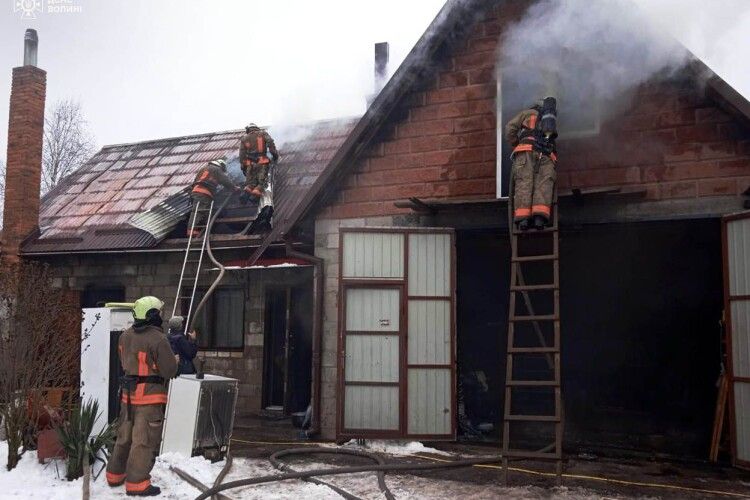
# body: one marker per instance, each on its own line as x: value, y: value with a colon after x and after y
x: 532, y: 134
x: 204, y: 189
x: 148, y: 363
x: 255, y: 147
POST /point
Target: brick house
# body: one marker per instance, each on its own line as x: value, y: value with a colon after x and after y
x: 397, y: 225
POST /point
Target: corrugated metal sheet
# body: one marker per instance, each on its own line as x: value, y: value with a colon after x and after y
x: 371, y: 408
x: 161, y: 219
x: 430, y: 403
x: 429, y: 332
x: 741, y: 338
x: 738, y: 253
x: 372, y: 309
x: 738, y: 246
x: 372, y: 358
x: 742, y: 420
x: 122, y: 181
x: 373, y: 255
x: 429, y: 264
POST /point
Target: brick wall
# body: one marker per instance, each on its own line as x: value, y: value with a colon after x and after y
x: 24, y: 160
x: 440, y: 142
x: 158, y: 273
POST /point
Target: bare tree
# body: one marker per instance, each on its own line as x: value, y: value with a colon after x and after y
x: 39, y: 351
x: 67, y: 142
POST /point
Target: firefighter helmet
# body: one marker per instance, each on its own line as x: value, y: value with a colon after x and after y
x: 250, y: 126
x: 145, y: 305
x: 221, y: 163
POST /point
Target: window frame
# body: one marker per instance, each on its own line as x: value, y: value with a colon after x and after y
x: 210, y: 311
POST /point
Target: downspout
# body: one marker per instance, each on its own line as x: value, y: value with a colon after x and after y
x: 317, y: 333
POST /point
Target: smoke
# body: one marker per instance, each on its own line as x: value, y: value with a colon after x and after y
x: 589, y: 54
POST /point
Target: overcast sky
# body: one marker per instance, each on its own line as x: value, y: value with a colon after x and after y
x: 146, y: 69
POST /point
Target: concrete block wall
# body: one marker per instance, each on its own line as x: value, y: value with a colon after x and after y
x: 158, y: 273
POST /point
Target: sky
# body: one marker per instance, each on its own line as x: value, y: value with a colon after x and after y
x: 147, y: 69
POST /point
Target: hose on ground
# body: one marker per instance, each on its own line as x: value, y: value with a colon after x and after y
x: 346, y: 470
x: 275, y: 461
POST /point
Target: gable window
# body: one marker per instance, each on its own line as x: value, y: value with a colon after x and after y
x: 518, y: 88
x: 220, y: 324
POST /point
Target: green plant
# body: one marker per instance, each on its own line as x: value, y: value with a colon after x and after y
x: 74, y: 437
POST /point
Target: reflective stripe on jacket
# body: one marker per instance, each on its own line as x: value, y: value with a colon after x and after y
x: 146, y: 351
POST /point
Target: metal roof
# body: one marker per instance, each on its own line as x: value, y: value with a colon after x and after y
x: 103, y: 205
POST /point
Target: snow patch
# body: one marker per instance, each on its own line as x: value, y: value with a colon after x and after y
x: 395, y: 447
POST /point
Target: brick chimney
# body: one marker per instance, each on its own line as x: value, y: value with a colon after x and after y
x: 24, y: 160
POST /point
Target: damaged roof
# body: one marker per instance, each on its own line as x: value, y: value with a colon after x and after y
x: 93, y: 208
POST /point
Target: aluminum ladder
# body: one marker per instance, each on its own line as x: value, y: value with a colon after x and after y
x: 537, y: 344
x: 191, y: 263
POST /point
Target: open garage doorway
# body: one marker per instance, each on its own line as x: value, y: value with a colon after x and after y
x: 640, y: 311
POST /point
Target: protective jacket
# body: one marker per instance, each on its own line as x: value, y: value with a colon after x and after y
x: 145, y: 352
x: 185, y: 348
x: 255, y: 146
x: 209, y: 178
x: 523, y: 132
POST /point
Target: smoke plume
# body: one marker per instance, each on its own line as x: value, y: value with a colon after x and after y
x: 586, y: 53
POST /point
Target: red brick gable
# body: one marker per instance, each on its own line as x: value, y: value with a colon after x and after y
x: 440, y: 142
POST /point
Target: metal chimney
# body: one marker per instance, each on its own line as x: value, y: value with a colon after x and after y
x: 381, y: 65
x: 30, y: 44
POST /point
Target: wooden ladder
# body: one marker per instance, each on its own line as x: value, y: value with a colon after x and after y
x: 549, y: 238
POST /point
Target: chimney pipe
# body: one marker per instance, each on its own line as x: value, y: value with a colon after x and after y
x: 381, y: 65
x: 30, y: 44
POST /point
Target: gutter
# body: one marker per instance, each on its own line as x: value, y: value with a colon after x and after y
x: 317, y: 334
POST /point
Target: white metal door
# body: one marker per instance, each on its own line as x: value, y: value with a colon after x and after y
x: 736, y: 231
x: 397, y: 348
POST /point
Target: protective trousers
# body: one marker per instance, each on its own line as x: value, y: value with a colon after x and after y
x: 256, y: 176
x: 136, y: 447
x: 199, y: 213
x: 533, y: 184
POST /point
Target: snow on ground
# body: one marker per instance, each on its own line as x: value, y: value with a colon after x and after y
x: 399, y: 448
x: 36, y: 481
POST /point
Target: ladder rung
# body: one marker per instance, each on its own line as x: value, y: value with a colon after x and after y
x: 532, y: 350
x: 532, y: 454
x: 536, y: 317
x: 532, y: 231
x: 533, y: 383
x: 522, y: 288
x: 533, y: 418
x: 185, y: 297
x: 534, y: 258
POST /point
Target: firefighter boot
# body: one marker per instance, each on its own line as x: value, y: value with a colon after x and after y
x: 540, y: 222
x: 523, y: 224
x: 151, y: 491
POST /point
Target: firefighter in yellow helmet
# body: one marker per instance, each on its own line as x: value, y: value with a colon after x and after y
x: 148, y: 363
x: 532, y: 134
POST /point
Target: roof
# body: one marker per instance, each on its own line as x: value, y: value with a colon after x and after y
x: 93, y: 208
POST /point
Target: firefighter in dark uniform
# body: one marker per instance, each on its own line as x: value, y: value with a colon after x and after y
x: 205, y: 185
x: 255, y: 147
x: 532, y: 134
x: 148, y: 363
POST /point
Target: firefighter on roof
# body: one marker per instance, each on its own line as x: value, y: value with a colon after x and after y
x: 148, y: 363
x: 205, y: 185
x: 255, y: 147
x: 532, y: 134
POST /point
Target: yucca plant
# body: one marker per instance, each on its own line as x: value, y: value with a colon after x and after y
x: 74, y: 437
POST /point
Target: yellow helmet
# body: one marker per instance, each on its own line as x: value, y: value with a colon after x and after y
x: 142, y: 306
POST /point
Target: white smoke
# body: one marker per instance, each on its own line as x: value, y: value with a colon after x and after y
x: 584, y: 52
